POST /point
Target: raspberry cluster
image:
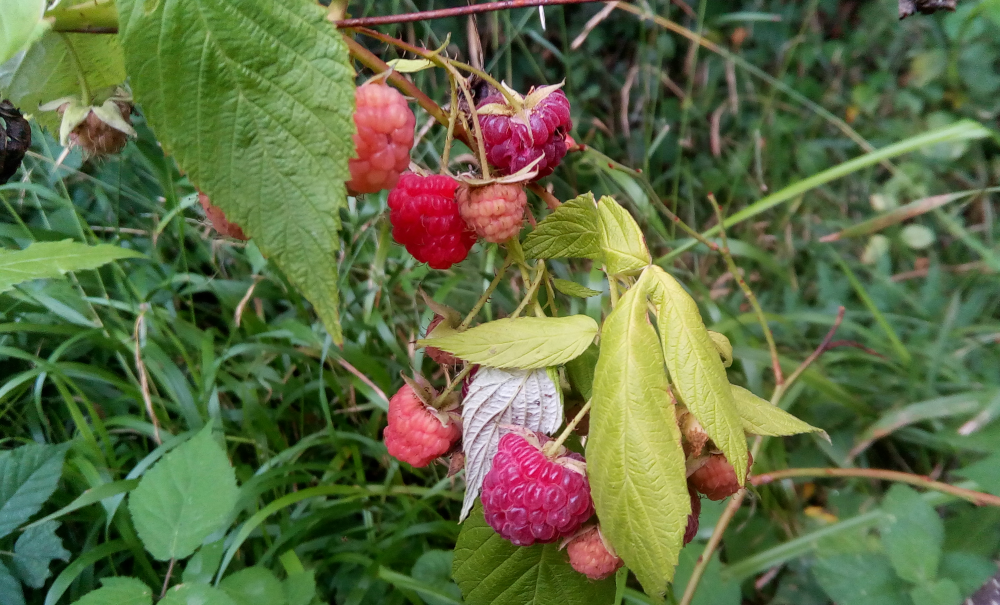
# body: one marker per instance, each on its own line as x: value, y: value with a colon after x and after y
x: 716, y: 478
x: 219, y: 220
x: 382, y: 140
x: 591, y: 556
x: 495, y: 211
x: 426, y: 220
x: 528, y: 498
x: 514, y: 141
x: 416, y: 433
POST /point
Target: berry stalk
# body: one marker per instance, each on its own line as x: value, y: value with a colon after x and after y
x: 553, y: 446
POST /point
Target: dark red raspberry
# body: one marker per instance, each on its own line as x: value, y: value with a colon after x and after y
x: 528, y: 498
x: 219, y: 220
x: 383, y: 139
x: 514, y: 141
x: 495, y: 211
x: 692, y: 527
x: 425, y: 219
x: 417, y: 433
x: 716, y: 478
x: 590, y: 555
x: 441, y: 357
x: 468, y: 381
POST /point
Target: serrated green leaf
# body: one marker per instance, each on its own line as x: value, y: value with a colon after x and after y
x: 201, y: 568
x: 184, y: 498
x: 761, y: 418
x: 119, y: 591
x: 621, y: 239
x: 580, y: 371
x: 572, y: 231
x: 571, y: 288
x: 300, y: 588
x: 196, y: 594
x: 34, y: 550
x: 492, y: 571
x: 523, y: 342
x: 54, y: 259
x: 724, y: 347
x: 942, y: 592
x: 254, y: 586
x: 696, y: 371
x: 47, y: 72
x: 634, y: 456
x: 863, y: 578
x: 11, y: 592
x: 433, y: 568
x: 912, y: 534
x: 256, y: 101
x: 21, y: 25
x: 28, y: 476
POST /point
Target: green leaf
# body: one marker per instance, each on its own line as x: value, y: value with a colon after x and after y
x: 47, y: 72
x: 201, y: 568
x: 571, y: 288
x: 119, y: 591
x: 256, y: 101
x: 942, y: 592
x: 254, y: 586
x: 300, y: 588
x: 21, y: 25
x: 34, y: 550
x: 523, y: 342
x: 580, y: 371
x: 433, y: 568
x: 713, y: 589
x: 621, y: 239
x: 761, y: 418
x: 863, y: 578
x: 986, y: 473
x: 196, y: 594
x: 967, y: 570
x: 28, y: 476
x: 724, y: 347
x: 11, y: 592
x: 492, y: 571
x: 912, y: 534
x: 696, y: 371
x: 184, y: 498
x: 634, y: 456
x: 53, y: 259
x: 572, y: 231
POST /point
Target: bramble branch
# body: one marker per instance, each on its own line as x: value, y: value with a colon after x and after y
x: 458, y: 11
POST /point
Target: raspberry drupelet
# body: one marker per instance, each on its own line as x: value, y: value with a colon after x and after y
x: 383, y: 138
x: 426, y: 220
x: 495, y: 211
x: 590, y: 555
x: 417, y: 434
x: 514, y: 141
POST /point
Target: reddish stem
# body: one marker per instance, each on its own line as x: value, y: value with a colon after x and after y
x: 457, y: 11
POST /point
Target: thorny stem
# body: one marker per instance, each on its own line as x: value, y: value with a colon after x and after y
x: 779, y: 378
x: 454, y: 12
x: 977, y: 498
x: 486, y: 295
x: 457, y: 380
x: 553, y: 446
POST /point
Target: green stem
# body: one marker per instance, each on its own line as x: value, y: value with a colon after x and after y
x: 552, y: 447
x: 452, y: 119
x: 436, y: 404
x: 78, y: 68
x: 486, y: 295
x: 529, y: 295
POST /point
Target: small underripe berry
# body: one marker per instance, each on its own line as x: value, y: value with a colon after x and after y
x: 219, y: 220
x: 383, y: 138
x: 440, y: 357
x: 495, y: 211
x: 417, y: 433
x: 590, y: 555
x: 716, y: 478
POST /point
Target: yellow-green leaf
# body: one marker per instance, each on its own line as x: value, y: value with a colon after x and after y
x: 761, y: 418
x: 696, y: 370
x: 621, y: 239
x: 724, y: 347
x: 572, y: 231
x: 524, y: 342
x: 571, y: 288
x: 634, y: 456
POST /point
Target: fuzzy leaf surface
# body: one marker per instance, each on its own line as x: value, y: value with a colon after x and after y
x: 184, y: 498
x: 119, y: 591
x: 724, y: 347
x: 34, y: 550
x: 761, y: 418
x: 255, y: 100
x: 634, y: 457
x: 524, y: 342
x: 54, y: 259
x: 28, y: 476
x: 572, y: 231
x: 497, y: 398
x: 696, y: 370
x: 621, y: 239
x: 492, y: 571
x: 571, y: 288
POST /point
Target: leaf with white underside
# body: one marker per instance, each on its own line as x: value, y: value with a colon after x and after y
x: 119, y: 591
x: 496, y: 399
x: 255, y: 100
x: 761, y: 418
x: 55, y: 259
x: 524, y: 342
x: 621, y: 239
x: 572, y: 231
x: 34, y: 550
x: 634, y: 455
x: 696, y: 370
x: 571, y: 288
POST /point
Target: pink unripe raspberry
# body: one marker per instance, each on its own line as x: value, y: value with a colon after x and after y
x: 417, y: 434
x: 513, y: 142
x: 591, y: 556
x: 383, y: 138
x: 495, y: 211
x: 716, y: 478
x: 426, y: 220
x: 528, y: 498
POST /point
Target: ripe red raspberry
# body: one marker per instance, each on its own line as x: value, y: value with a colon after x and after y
x: 590, y: 555
x: 528, y: 498
x: 219, y: 220
x: 441, y: 357
x: 716, y: 478
x: 383, y: 139
x: 417, y: 433
x: 495, y: 211
x: 692, y: 527
x: 425, y: 219
x: 512, y: 142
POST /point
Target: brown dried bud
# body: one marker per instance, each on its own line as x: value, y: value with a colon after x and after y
x: 15, y: 138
